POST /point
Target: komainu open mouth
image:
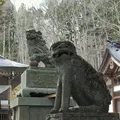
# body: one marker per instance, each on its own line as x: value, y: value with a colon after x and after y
x: 59, y: 54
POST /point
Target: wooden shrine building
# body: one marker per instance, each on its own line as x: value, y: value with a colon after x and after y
x: 110, y: 67
x: 10, y: 72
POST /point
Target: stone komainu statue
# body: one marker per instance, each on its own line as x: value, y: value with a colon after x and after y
x: 77, y: 78
x: 37, y: 48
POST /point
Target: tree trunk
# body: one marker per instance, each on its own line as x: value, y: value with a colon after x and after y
x: 9, y: 43
x: 4, y: 42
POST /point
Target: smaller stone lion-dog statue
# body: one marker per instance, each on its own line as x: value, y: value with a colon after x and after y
x: 77, y: 78
x: 37, y: 48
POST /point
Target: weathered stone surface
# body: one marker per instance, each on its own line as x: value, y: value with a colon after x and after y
x: 37, y: 92
x: 37, y: 48
x: 31, y: 101
x: 32, y: 108
x: 83, y: 116
x: 77, y: 78
x: 27, y: 108
x: 39, y: 78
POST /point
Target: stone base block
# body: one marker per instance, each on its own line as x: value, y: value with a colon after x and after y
x: 39, y: 78
x: 32, y: 108
x: 27, y: 108
x: 83, y: 116
x: 37, y: 92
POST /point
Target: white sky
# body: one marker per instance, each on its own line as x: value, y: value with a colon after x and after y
x: 28, y: 3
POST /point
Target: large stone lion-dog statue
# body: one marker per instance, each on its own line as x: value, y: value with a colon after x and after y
x: 77, y: 78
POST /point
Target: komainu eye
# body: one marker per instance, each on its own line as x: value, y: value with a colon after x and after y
x: 73, y: 61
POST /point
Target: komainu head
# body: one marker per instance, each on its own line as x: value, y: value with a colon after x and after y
x: 62, y: 48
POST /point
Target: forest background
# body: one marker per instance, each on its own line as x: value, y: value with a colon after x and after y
x: 86, y: 23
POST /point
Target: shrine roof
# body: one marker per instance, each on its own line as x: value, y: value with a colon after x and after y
x: 112, y: 53
x: 114, y: 50
x: 8, y: 66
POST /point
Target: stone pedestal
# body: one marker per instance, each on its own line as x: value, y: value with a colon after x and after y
x: 83, y: 116
x: 28, y: 108
x: 38, y: 80
x: 35, y: 82
x: 32, y: 108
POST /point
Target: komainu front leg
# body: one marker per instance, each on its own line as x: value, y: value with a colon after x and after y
x: 57, y: 103
x: 66, y: 93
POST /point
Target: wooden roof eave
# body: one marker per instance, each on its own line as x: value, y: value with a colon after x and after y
x: 105, y: 63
